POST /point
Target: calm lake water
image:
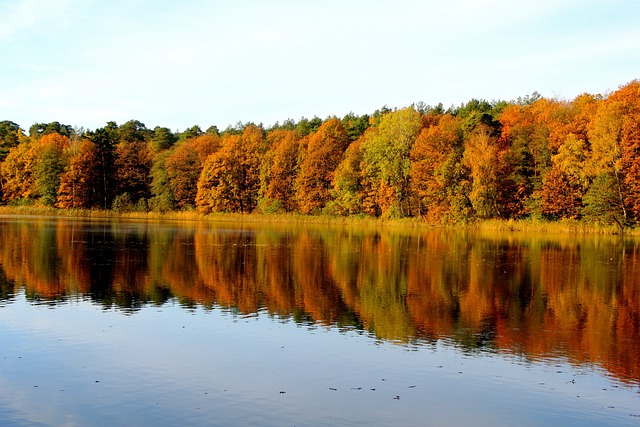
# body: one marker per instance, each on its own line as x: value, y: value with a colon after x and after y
x: 136, y: 323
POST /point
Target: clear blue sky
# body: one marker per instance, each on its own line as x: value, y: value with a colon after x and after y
x: 217, y: 62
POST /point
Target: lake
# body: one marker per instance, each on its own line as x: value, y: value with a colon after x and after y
x: 114, y: 322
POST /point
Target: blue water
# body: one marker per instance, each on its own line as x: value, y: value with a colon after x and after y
x: 77, y: 364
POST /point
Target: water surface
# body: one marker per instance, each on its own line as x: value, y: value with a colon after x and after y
x: 114, y: 323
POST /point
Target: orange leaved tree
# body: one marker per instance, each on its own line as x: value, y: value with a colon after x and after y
x: 185, y: 164
x: 230, y: 178
x: 438, y: 177
x: 280, y: 170
x: 322, y: 155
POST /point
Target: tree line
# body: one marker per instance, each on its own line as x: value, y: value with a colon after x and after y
x: 533, y: 157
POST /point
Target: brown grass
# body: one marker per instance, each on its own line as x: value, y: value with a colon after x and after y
x: 538, y: 226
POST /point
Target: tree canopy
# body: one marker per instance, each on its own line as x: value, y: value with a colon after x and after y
x: 533, y: 157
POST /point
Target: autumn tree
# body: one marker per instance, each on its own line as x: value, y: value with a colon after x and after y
x: 526, y: 157
x: 17, y: 174
x: 630, y: 145
x: 347, y: 190
x: 184, y: 165
x: 32, y: 170
x: 534, y: 131
x: 481, y: 156
x: 132, y: 171
x: 49, y: 163
x: 534, y: 157
x: 81, y: 182
x: 386, y: 162
x: 565, y: 184
x: 322, y: 155
x: 613, y: 158
x: 438, y: 176
x: 557, y: 119
x: 230, y: 178
x: 279, y: 171
x: 484, y: 155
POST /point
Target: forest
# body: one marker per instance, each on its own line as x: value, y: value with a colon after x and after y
x: 533, y: 157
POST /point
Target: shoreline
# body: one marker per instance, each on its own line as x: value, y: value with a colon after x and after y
x: 575, y: 227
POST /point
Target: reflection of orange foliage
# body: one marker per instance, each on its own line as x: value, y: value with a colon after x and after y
x: 26, y: 260
x: 72, y: 256
x: 268, y: 275
x: 312, y: 272
x: 575, y: 298
x: 533, y: 299
x: 178, y: 270
x: 436, y: 283
x: 225, y: 262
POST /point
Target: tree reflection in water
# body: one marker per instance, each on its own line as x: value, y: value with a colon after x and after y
x: 533, y: 295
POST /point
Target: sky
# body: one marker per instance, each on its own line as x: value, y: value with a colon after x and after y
x: 217, y: 62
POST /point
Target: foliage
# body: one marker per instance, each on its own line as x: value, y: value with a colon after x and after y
x: 9, y: 137
x: 104, y: 140
x: 230, y: 178
x: 602, y: 202
x: 613, y: 161
x: 564, y: 186
x: 184, y: 164
x: 280, y: 169
x: 162, y: 199
x: 354, y: 125
x: 347, y: 189
x: 323, y: 153
x: 534, y: 158
x: 162, y: 139
x: 38, y: 130
x: 80, y: 183
x: 437, y: 175
x: 50, y: 161
x: 17, y: 173
x: 481, y: 156
x: 386, y: 162
x: 133, y: 163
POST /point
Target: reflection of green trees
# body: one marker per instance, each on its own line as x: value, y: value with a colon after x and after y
x: 382, y: 286
x: 574, y: 296
x: 7, y: 287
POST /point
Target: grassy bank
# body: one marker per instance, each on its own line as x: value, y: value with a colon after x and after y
x: 528, y: 225
x: 557, y: 227
x: 285, y: 218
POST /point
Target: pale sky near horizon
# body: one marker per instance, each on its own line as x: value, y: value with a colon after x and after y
x: 198, y: 62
